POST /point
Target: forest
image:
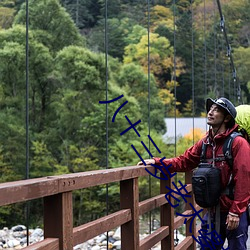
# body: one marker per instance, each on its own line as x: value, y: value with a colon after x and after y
x: 162, y: 57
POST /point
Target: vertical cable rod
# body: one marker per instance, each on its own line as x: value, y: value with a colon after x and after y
x: 174, y: 75
x: 192, y: 28
x: 175, y: 95
x: 149, y: 122
x: 229, y: 54
x: 215, y: 51
x: 77, y: 13
x: 27, y: 207
x: 205, y: 50
x: 106, y: 81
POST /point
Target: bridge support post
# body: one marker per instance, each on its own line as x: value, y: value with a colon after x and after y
x: 58, y: 219
x: 167, y: 216
x: 129, y: 198
x: 188, y: 179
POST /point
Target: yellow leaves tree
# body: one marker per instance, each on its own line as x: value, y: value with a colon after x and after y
x: 189, y: 139
x: 160, y: 53
x: 158, y: 58
x: 161, y: 16
x: 167, y: 97
x: 155, y: 52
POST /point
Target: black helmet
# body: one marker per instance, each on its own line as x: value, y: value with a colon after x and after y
x: 223, y: 103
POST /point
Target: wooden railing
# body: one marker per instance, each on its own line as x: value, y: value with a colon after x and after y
x: 56, y: 192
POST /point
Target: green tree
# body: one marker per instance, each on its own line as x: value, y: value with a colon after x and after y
x: 42, y: 163
x: 241, y: 56
x: 132, y: 78
x: 53, y: 25
x: 118, y: 31
x: 84, y: 13
x: 6, y: 17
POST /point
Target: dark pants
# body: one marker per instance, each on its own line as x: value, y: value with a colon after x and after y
x: 236, y: 238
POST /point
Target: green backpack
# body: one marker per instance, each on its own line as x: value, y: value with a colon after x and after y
x: 243, y: 120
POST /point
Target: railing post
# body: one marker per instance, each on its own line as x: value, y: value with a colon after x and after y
x: 167, y: 216
x: 188, y: 180
x: 58, y: 219
x: 129, y: 198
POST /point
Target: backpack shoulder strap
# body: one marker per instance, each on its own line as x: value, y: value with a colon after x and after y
x: 227, y: 148
x: 203, y: 152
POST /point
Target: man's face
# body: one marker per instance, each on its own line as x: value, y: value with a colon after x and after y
x: 215, y: 116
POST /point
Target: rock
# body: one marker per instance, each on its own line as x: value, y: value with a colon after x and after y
x: 80, y: 246
x: 103, y: 243
x: 91, y: 242
x: 13, y: 243
x: 117, y: 235
x: 117, y: 244
x: 13, y: 240
x: 100, y: 238
x: 18, y: 247
x: 111, y: 233
x: 95, y: 248
x: 18, y: 234
x: 38, y: 232
x: 111, y: 239
x: 3, y: 233
x: 18, y: 228
x: 23, y: 240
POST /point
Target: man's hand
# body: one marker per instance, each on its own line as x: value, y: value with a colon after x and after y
x: 148, y: 162
x: 232, y: 222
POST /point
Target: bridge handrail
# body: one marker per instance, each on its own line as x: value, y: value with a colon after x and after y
x: 56, y: 192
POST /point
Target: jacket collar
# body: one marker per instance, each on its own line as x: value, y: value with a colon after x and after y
x: 222, y: 136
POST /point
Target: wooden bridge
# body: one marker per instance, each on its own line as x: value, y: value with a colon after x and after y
x: 56, y: 192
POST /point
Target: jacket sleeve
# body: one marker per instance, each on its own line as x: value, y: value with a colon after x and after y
x: 241, y: 175
x: 185, y: 162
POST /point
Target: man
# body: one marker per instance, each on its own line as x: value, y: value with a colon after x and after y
x: 221, y: 115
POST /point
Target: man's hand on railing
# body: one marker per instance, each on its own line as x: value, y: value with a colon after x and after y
x: 147, y: 161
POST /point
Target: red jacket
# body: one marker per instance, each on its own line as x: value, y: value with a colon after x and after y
x: 241, y: 167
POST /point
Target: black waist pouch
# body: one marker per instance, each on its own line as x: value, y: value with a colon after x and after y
x: 206, y: 182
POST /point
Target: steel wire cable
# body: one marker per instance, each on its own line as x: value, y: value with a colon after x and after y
x: 106, y: 83
x: 27, y: 204
x: 236, y: 82
x: 149, y: 121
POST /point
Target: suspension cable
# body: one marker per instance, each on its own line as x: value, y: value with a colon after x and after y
x: 215, y: 52
x: 222, y: 68
x: 192, y: 74
x: 106, y: 82
x: 229, y: 53
x: 174, y: 76
x: 175, y: 95
x: 149, y: 121
x: 77, y: 13
x: 229, y: 84
x: 205, y: 50
x: 27, y: 207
